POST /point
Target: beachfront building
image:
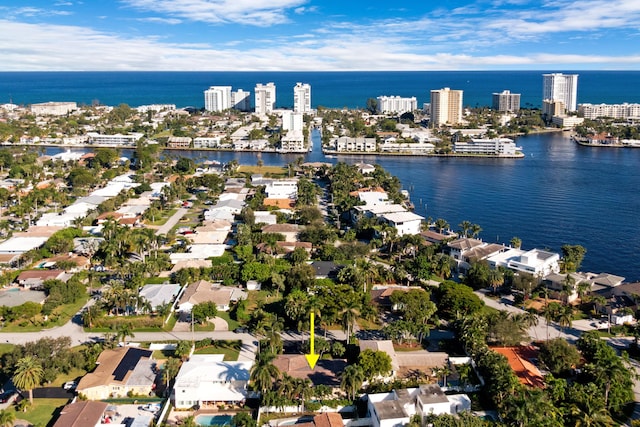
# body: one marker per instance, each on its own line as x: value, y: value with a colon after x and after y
x: 241, y: 100
x: 346, y: 143
x: 616, y: 111
x: 561, y: 87
x: 302, y: 98
x: 487, y: 147
x: 446, y: 107
x: 53, y: 108
x: 536, y: 262
x: 217, y: 98
x: 114, y: 140
x: 506, y: 101
x: 265, y: 98
x: 396, y: 104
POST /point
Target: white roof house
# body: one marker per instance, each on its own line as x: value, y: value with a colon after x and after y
x: 158, y: 295
x: 198, y: 252
x: 397, y: 408
x: 535, y: 261
x: 18, y: 245
x: 373, y: 198
x: 404, y: 222
x: 206, y: 378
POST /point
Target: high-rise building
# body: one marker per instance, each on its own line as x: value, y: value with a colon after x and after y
x: 302, y: 98
x: 265, y: 96
x: 217, y: 98
x: 396, y: 104
x: 446, y: 107
x: 561, y: 87
x: 506, y: 101
x: 240, y: 100
x: 292, y: 120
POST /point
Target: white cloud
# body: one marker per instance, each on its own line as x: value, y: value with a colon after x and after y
x: 260, y: 13
x: 78, y: 48
x: 158, y: 20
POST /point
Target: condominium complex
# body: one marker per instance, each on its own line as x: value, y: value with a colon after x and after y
x: 302, y: 98
x: 241, y: 100
x: 616, y: 111
x: 446, y: 107
x: 53, y: 108
x: 396, y: 104
x: 265, y: 96
x: 561, y: 87
x: 494, y: 147
x: 217, y: 98
x: 346, y: 143
x: 506, y: 101
x: 292, y: 120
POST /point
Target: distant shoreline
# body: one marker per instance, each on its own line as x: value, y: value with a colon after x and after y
x: 275, y: 151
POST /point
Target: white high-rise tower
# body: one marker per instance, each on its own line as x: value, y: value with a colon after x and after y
x: 302, y: 98
x: 446, y: 107
x: 561, y: 87
x: 265, y: 97
x: 217, y: 98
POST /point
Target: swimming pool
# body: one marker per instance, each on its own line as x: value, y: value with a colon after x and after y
x: 214, y: 420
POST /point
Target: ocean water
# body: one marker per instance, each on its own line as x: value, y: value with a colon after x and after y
x: 328, y: 89
x: 560, y: 193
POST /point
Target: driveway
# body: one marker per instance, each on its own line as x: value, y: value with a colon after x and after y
x: 171, y: 222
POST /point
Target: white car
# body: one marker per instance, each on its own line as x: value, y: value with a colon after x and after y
x: 70, y: 385
x: 150, y: 407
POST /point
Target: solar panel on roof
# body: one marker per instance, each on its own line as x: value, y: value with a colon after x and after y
x: 129, y: 362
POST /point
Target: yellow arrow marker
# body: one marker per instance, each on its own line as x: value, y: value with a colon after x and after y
x: 312, y: 358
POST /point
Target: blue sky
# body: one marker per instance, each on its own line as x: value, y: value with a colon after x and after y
x: 299, y: 35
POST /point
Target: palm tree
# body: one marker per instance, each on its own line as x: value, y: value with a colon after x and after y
x: 264, y: 372
x: 441, y: 224
x: 124, y: 330
x: 565, y: 317
x: 465, y: 226
x: 7, y: 418
x: 351, y: 381
x: 28, y: 374
x: 583, y: 288
x: 516, y: 242
x: 349, y: 314
x: 496, y: 279
x: 475, y: 230
x: 170, y: 369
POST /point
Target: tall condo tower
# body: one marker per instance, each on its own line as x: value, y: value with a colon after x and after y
x: 561, y: 87
x: 446, y: 107
x: 217, y: 98
x: 302, y: 98
x: 506, y: 101
x: 240, y: 100
x: 265, y: 98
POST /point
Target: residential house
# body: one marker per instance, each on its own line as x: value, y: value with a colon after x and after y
x: 198, y: 252
x: 397, y: 407
x: 536, y: 262
x: 562, y: 288
x: 203, y: 291
x: 406, y: 223
x: 289, y: 231
x: 205, y: 380
x: 82, y: 413
x: 325, y: 269
x: 159, y: 295
x: 34, y: 279
x: 520, y: 359
x: 326, y: 371
x: 121, y: 371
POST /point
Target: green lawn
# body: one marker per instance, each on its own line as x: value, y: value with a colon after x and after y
x: 6, y: 348
x: 230, y: 354
x: 59, y: 317
x: 232, y: 323
x: 42, y: 411
x: 164, y: 216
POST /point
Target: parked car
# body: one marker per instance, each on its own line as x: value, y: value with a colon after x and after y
x: 150, y: 407
x: 6, y: 396
x: 70, y: 385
